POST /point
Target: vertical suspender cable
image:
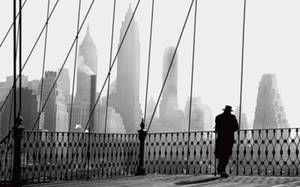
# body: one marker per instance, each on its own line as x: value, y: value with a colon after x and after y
x: 110, y: 61
x: 14, y: 61
x: 20, y: 57
x: 75, y: 66
x: 192, y: 84
x: 171, y: 63
x: 44, y: 59
x: 149, y: 60
x: 241, y: 81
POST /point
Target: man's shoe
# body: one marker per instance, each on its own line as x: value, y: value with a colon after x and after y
x: 224, y: 175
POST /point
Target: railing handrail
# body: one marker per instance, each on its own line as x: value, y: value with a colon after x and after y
x: 151, y: 133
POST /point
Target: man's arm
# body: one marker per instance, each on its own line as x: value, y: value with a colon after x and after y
x: 236, y: 125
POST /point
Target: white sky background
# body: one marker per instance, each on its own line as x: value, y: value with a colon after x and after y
x: 272, y: 45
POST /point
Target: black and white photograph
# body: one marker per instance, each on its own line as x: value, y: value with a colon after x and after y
x: 149, y: 93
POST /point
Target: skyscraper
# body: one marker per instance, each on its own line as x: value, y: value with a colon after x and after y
x: 55, y: 111
x: 126, y: 99
x: 87, y: 65
x: 171, y: 117
x: 169, y: 96
x: 269, y: 111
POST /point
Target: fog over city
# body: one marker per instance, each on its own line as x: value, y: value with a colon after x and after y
x: 272, y: 45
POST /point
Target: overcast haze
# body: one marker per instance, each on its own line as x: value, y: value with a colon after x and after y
x: 272, y: 45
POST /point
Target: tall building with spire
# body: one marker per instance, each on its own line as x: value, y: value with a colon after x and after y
x: 171, y: 117
x: 269, y: 111
x: 126, y: 99
x: 87, y: 66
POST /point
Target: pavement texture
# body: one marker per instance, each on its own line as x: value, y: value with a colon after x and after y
x: 181, y: 180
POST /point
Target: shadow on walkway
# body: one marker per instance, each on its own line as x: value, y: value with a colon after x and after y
x: 197, y: 181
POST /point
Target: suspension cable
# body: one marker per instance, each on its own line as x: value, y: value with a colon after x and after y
x: 20, y: 57
x: 192, y: 82
x: 30, y: 53
x: 14, y: 61
x: 149, y: 60
x: 110, y: 58
x: 11, y: 25
x: 44, y: 59
x: 241, y: 80
x: 75, y: 65
x: 60, y: 70
x: 172, y: 60
x: 108, y: 74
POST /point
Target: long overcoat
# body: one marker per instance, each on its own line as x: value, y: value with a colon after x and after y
x: 226, y: 125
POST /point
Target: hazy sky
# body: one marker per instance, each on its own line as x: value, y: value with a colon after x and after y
x: 272, y: 45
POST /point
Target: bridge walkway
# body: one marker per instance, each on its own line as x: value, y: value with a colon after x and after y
x: 181, y: 180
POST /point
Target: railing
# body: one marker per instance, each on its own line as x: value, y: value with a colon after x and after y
x: 180, y: 153
x: 49, y: 156
x: 273, y: 152
x: 267, y: 152
x: 6, y: 152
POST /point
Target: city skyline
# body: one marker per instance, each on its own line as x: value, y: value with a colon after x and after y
x: 222, y: 38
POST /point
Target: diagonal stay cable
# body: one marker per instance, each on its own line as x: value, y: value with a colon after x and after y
x: 110, y: 58
x: 75, y: 66
x: 108, y: 74
x: 171, y: 63
x: 11, y: 25
x: 62, y: 66
x: 192, y: 85
x: 241, y: 80
x: 44, y: 58
x: 149, y: 60
x: 31, y: 51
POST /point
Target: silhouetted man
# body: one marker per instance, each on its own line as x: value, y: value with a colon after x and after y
x: 226, y: 125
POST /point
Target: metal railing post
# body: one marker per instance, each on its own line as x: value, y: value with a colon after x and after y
x: 17, y: 135
x: 88, y: 154
x: 142, y: 136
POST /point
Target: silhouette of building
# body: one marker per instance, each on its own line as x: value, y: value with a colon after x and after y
x: 171, y: 117
x: 55, y: 111
x: 202, y: 118
x: 7, y: 85
x: 197, y: 114
x: 126, y: 99
x: 30, y: 101
x: 29, y: 112
x: 269, y: 111
x: 244, y: 122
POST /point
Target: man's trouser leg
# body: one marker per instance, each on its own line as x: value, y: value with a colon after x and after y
x: 222, y: 164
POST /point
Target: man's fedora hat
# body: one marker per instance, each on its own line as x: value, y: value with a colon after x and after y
x: 228, y: 108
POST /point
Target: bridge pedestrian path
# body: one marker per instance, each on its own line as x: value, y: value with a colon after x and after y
x: 181, y: 180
